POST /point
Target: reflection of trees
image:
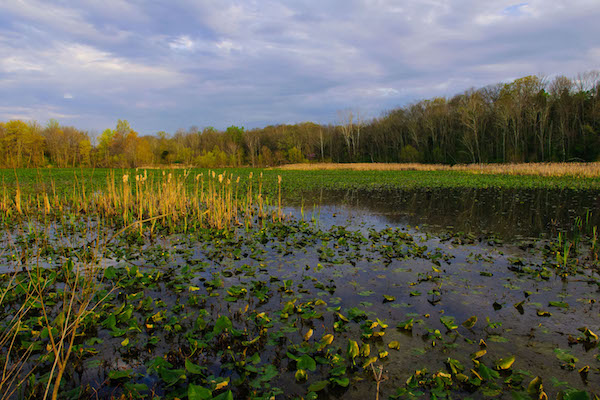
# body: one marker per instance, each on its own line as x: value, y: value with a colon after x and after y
x: 504, y: 213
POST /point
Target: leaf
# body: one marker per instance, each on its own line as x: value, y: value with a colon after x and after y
x: 300, y: 375
x: 470, y: 322
x: 224, y: 396
x: 388, y: 298
x: 306, y: 362
x: 382, y: 324
x: 326, y: 339
x: 356, y: 314
x: 343, y: 381
x: 497, y: 339
x: 519, y: 306
x: 197, y: 392
x: 505, y: 363
x: 318, y: 386
x: 342, y: 317
x: 542, y: 313
x: 171, y: 376
x: 353, y: 349
x: 122, y: 374
x: 449, y: 322
x: 559, y: 304
x: 125, y: 342
x: 366, y: 350
x: 406, y: 325
x: 478, y: 354
x: 394, y: 345
x: 369, y: 362
x: 565, y: 356
x: 455, y: 366
x: 575, y: 395
x: 194, y: 368
x: 487, y: 373
x: 591, y: 336
x: 308, y: 335
x: 222, y: 384
x: 535, y: 386
x: 222, y: 324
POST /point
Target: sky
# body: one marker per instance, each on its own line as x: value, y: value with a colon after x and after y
x: 170, y: 64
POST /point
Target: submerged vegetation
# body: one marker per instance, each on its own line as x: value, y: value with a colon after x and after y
x: 194, y: 284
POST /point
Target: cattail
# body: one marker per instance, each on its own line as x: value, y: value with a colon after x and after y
x: 279, y: 178
x: 125, y: 178
x: 220, y: 178
x: 250, y: 175
x: 237, y: 180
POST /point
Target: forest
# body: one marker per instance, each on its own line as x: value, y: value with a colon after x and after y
x: 531, y: 119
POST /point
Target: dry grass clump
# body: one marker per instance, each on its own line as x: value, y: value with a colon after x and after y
x: 587, y: 170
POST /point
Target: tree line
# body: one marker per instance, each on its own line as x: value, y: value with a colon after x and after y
x: 531, y: 119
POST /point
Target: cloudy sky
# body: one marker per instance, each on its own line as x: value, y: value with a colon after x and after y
x: 169, y: 64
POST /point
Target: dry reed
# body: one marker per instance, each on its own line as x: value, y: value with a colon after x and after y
x: 173, y: 198
x: 584, y: 170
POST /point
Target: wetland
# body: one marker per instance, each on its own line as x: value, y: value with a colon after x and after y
x: 251, y: 283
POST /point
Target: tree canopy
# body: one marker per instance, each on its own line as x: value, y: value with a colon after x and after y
x: 530, y: 119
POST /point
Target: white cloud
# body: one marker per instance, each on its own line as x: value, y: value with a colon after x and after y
x: 89, y: 68
x: 182, y: 62
x: 34, y: 113
x: 182, y: 42
x: 227, y: 45
x: 13, y: 64
x: 65, y: 20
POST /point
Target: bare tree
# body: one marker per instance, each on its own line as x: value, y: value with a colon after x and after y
x: 351, y: 124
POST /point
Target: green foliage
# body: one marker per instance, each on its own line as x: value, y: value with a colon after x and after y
x: 409, y: 154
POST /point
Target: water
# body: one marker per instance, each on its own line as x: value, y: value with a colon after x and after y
x: 430, y: 273
x: 507, y: 214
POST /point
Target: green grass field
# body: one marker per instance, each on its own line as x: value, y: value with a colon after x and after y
x: 62, y: 180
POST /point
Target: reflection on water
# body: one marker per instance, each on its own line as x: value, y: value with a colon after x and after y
x: 507, y: 214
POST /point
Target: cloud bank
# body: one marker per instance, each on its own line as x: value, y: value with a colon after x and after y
x: 165, y: 65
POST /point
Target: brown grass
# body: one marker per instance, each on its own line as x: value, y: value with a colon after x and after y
x: 588, y: 170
